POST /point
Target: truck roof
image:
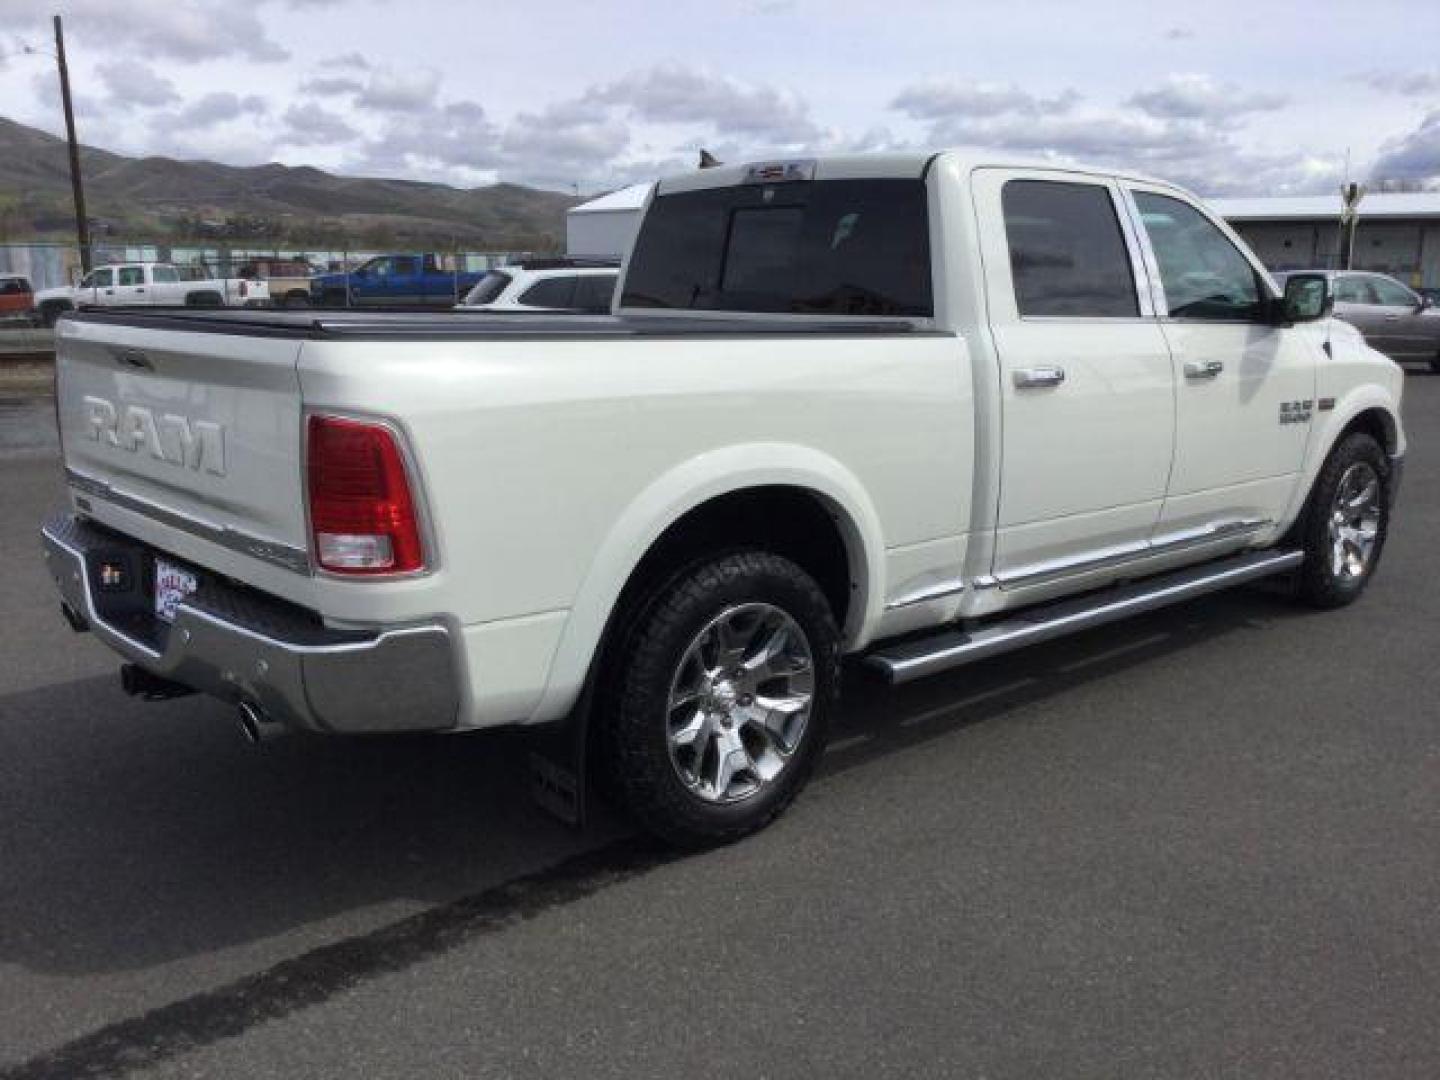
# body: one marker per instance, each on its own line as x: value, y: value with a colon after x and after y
x: 908, y: 164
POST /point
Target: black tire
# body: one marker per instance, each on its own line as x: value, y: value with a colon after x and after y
x: 635, y: 705
x: 50, y: 313
x: 333, y: 298
x: 296, y: 300
x: 1321, y: 585
x: 1435, y: 365
x: 204, y: 299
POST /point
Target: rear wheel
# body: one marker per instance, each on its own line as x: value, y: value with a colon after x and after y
x: 50, y: 312
x: 1346, y: 524
x: 717, y: 712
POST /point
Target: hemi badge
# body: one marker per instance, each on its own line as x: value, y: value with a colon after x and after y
x: 1325, y: 404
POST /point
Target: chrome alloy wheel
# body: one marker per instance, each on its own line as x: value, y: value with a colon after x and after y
x: 1354, y: 521
x: 739, y: 702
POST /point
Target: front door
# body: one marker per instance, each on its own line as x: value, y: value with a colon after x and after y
x: 1086, y: 387
x: 1245, y: 388
x: 1408, y: 328
x: 130, y: 285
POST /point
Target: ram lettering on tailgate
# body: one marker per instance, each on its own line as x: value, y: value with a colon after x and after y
x: 176, y: 439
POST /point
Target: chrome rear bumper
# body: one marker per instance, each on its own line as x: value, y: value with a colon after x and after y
x: 241, y: 646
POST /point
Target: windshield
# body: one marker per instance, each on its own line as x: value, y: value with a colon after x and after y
x: 488, y: 289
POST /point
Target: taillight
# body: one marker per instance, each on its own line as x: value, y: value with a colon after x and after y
x: 363, y: 517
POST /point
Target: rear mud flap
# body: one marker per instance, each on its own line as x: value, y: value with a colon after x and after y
x: 560, y: 766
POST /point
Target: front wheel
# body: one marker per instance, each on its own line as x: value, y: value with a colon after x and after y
x: 1347, y: 522
x: 718, y: 711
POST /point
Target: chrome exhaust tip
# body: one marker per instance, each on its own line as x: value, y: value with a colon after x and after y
x: 256, y: 725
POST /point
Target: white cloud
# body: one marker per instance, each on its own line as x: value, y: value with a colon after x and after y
x: 314, y: 125
x: 1414, y: 155
x: 1200, y: 97
x: 1405, y: 83
x: 941, y: 99
x: 129, y: 85
x: 215, y: 108
x: 392, y: 90
x: 184, y: 31
x: 671, y: 94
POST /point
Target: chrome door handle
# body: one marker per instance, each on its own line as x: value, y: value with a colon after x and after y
x: 1392, y: 318
x: 1203, y: 369
x: 1028, y: 378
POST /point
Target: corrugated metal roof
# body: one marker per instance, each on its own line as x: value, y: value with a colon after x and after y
x: 1424, y: 204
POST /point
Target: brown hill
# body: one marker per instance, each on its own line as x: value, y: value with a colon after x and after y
x: 162, y: 198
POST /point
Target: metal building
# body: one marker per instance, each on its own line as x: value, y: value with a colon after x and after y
x: 1398, y: 234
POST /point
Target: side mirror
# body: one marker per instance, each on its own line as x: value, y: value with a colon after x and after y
x: 1307, y: 298
x: 1422, y: 303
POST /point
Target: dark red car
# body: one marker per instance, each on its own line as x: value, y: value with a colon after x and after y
x: 17, y: 299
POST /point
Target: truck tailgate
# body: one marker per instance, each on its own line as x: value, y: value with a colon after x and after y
x: 197, y: 432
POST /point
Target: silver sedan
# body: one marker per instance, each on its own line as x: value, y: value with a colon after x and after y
x: 1399, y: 322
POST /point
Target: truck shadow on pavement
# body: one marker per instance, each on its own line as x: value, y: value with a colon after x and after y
x: 140, y: 835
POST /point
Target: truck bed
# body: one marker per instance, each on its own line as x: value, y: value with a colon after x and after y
x: 473, y: 326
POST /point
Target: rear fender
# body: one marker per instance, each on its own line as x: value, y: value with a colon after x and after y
x: 676, y: 493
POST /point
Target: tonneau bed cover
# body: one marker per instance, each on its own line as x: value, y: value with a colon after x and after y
x: 469, y: 326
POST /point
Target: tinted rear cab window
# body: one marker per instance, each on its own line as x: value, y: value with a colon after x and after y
x: 826, y: 247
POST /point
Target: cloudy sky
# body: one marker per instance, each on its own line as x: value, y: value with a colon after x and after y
x: 1226, y: 97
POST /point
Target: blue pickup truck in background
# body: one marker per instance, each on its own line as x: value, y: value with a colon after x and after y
x: 410, y: 279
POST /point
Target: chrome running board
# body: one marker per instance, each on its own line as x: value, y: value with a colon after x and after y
x: 949, y: 648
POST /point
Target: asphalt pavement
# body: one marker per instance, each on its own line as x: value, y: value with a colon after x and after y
x: 1205, y: 843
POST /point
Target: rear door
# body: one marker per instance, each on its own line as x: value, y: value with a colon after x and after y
x: 1245, y: 388
x: 200, y: 432
x: 1086, y: 386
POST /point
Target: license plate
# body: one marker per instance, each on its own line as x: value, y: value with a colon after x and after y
x: 172, y: 584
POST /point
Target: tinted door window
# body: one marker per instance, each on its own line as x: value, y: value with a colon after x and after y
x: 1392, y: 293
x: 835, y: 247
x: 98, y: 279
x: 555, y: 292
x: 594, y: 292
x: 165, y: 275
x: 131, y: 275
x: 1203, y: 273
x: 1067, y: 253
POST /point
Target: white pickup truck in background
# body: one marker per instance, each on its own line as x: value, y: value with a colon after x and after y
x: 917, y: 408
x: 148, y: 284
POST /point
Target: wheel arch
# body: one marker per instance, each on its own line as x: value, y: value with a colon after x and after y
x: 1370, y: 409
x: 722, y: 485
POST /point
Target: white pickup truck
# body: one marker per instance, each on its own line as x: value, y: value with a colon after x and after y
x: 148, y: 285
x: 916, y: 408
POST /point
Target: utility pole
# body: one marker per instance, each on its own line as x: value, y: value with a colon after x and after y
x: 82, y: 223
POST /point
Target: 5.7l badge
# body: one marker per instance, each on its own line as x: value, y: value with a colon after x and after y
x: 1296, y: 412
